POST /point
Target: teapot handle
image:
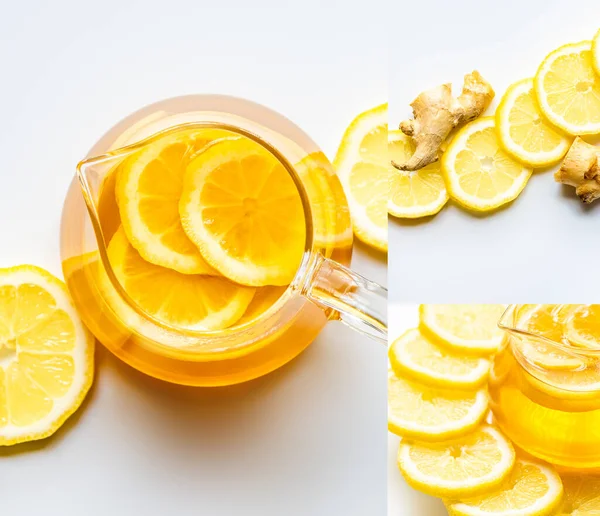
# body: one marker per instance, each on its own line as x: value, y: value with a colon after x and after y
x: 360, y: 303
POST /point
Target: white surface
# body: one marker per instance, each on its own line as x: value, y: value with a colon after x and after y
x: 536, y: 248
x: 308, y: 439
x: 403, y: 500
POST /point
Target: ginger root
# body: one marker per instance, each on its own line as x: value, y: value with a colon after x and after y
x: 581, y: 169
x: 436, y: 112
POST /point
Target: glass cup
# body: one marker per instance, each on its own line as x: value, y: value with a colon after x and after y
x: 323, y: 288
x: 545, y: 395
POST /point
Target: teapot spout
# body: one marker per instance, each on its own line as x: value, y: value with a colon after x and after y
x: 97, y: 180
x: 508, y: 321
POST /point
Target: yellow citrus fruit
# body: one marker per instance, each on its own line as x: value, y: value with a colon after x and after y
x: 596, y: 52
x: 264, y: 299
x: 523, y: 130
x: 362, y: 164
x: 583, y: 327
x: 415, y: 356
x: 331, y: 216
x: 464, y: 328
x: 241, y: 208
x: 582, y: 496
x: 148, y: 189
x: 413, y: 194
x: 479, y: 174
x: 432, y: 413
x: 531, y: 489
x: 568, y: 89
x: 46, y: 355
x: 474, y: 464
x: 546, y: 321
x: 190, y: 301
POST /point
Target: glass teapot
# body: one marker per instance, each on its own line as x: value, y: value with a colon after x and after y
x: 323, y: 287
x: 545, y: 387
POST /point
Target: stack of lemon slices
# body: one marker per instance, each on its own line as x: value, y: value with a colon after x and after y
x: 208, y: 219
x: 488, y: 163
x: 438, y: 406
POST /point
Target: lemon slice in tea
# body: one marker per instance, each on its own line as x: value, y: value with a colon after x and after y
x: 241, y: 208
x: 546, y: 321
x: 583, y: 327
x: 331, y: 217
x: 188, y: 301
x: 148, y: 190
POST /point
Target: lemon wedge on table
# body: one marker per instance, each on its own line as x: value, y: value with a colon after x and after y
x: 523, y: 131
x: 190, y: 301
x: 242, y: 209
x: 473, y: 464
x: 148, y: 189
x: 479, y: 174
x: 362, y: 164
x: 532, y: 489
x: 413, y: 194
x: 568, y: 89
x: 415, y: 356
x: 46, y: 355
x: 464, y: 328
x: 432, y: 413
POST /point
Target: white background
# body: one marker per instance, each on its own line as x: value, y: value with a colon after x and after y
x: 308, y: 439
x: 545, y: 246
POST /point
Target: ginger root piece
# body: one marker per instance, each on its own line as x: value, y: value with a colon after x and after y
x: 581, y: 169
x: 436, y: 112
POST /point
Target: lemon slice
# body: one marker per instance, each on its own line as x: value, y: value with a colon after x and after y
x: 413, y: 194
x: 582, y: 496
x: 478, y: 173
x: 596, y: 52
x: 583, y: 327
x: 188, y: 301
x: 523, y: 131
x: 532, y: 489
x: 148, y: 190
x: 415, y: 356
x: 46, y: 355
x: 568, y: 89
x: 263, y: 299
x: 363, y: 165
x: 241, y: 208
x: 464, y: 328
x: 546, y: 321
x: 474, y: 464
x: 430, y: 413
x: 331, y: 216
